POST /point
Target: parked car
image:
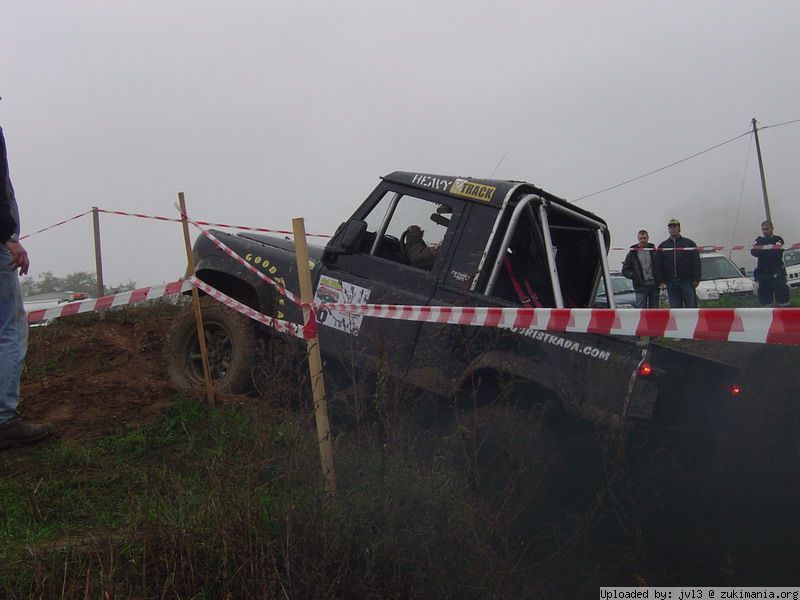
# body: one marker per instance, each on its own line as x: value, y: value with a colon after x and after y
x: 721, y: 277
x: 624, y: 296
x: 791, y: 259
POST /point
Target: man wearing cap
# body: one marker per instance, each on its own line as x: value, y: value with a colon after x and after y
x: 678, y: 268
x: 14, y: 430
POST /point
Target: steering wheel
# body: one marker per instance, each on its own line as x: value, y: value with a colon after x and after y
x: 403, y: 239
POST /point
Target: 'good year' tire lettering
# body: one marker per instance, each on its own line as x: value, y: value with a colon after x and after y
x: 262, y: 262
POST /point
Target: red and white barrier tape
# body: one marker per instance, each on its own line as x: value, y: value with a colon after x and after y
x: 207, y: 223
x: 705, y: 248
x: 122, y: 299
x: 758, y: 325
x: 83, y: 214
x: 711, y: 248
x: 294, y: 329
x: 281, y: 289
x: 755, y: 325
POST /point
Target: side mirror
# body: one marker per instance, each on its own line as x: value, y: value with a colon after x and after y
x: 348, y: 237
x: 440, y: 220
x: 742, y: 271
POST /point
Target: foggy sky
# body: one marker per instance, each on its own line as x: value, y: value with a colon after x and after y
x: 264, y: 111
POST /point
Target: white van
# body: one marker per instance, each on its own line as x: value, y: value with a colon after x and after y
x: 721, y: 277
x: 791, y: 260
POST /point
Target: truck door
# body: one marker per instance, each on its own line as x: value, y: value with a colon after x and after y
x: 398, y: 261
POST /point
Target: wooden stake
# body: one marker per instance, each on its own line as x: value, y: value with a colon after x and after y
x: 314, y: 360
x: 198, y: 316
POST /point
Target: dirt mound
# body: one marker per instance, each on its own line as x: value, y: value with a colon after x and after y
x: 91, y: 377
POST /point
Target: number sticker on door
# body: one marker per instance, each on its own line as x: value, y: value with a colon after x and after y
x: 334, y: 291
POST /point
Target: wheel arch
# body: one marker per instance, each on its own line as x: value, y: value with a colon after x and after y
x: 492, y: 372
x: 257, y: 297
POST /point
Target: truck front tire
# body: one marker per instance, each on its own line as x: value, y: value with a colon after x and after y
x: 233, y: 343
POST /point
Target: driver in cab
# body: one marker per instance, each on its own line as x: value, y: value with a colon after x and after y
x: 419, y: 254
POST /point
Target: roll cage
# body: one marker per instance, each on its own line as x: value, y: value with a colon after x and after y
x: 544, y: 239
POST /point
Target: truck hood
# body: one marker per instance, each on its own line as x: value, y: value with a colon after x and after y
x: 314, y: 251
x: 712, y: 289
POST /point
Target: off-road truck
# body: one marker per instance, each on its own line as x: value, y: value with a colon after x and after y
x: 477, y: 242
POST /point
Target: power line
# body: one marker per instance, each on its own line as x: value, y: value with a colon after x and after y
x: 780, y: 124
x: 654, y: 171
x: 677, y: 162
x: 741, y: 194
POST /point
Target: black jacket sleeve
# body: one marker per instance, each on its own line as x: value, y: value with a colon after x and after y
x: 627, y: 265
x: 7, y: 223
x: 658, y: 265
x: 697, y: 265
x: 757, y: 251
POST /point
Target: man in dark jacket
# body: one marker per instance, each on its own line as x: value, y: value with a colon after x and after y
x: 639, y: 266
x: 770, y: 272
x: 678, y: 268
x: 14, y: 430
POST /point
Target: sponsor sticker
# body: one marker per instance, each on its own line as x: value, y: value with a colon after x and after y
x: 560, y: 342
x: 335, y: 291
x: 469, y: 189
x: 457, y: 187
x: 438, y: 184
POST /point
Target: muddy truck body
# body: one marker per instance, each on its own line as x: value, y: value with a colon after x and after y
x: 486, y: 243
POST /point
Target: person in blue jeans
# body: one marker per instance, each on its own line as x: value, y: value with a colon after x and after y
x: 14, y: 430
x: 678, y: 267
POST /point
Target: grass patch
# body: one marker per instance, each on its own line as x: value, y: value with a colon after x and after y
x: 726, y: 301
x: 228, y: 501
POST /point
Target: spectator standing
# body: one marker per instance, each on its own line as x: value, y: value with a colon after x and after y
x: 770, y: 272
x: 14, y: 430
x: 678, y: 268
x: 639, y: 266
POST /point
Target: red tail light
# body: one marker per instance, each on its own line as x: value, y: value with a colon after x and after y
x: 735, y: 390
x: 645, y: 369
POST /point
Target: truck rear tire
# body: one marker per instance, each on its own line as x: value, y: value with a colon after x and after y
x: 528, y: 460
x: 516, y: 455
x: 234, y: 346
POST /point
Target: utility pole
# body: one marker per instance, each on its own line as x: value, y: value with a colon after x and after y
x: 98, y: 255
x: 761, y: 169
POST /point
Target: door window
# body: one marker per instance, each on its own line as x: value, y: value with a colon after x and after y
x: 408, y: 229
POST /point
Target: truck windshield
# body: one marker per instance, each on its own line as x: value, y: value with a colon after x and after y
x: 718, y: 267
x: 791, y: 258
x: 621, y: 285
